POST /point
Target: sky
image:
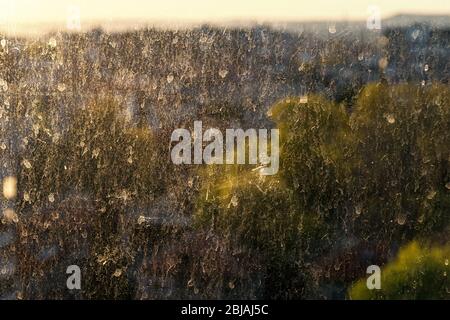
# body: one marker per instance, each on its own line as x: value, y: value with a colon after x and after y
x: 20, y: 12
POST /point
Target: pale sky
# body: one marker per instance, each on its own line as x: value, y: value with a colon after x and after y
x: 56, y: 11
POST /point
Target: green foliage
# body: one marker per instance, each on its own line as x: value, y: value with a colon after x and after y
x: 403, y: 159
x: 418, y: 272
x: 316, y: 150
x: 256, y: 213
x: 379, y: 176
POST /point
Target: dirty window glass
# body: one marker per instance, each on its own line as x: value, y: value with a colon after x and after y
x: 198, y: 150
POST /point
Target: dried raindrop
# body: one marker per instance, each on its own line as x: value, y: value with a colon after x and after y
x: 52, y: 42
x: 141, y: 220
x: 401, y: 219
x: 10, y: 187
x: 26, y: 164
x: 61, y: 87
x: 383, y: 63
x: 431, y: 194
x: 223, y: 73
x: 304, y: 99
x: 117, y: 273
x: 421, y: 218
x: 3, y: 85
x: 234, y: 201
x: 9, y: 215
x: 390, y: 119
x: 95, y: 153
